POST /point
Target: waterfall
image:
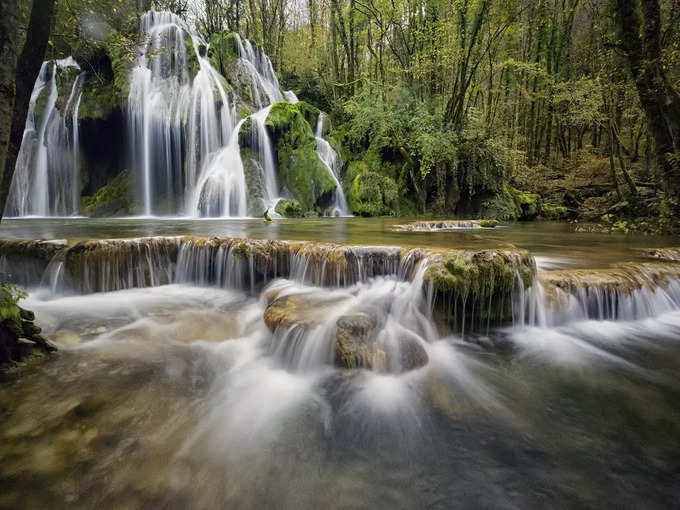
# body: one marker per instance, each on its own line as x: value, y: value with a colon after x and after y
x: 176, y: 124
x: 184, y: 132
x: 261, y: 141
x: 261, y: 72
x: 46, y: 178
x: 331, y: 161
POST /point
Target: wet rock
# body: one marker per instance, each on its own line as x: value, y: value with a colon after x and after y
x: 292, y: 310
x: 356, y: 346
x: 412, y: 355
x: 355, y: 341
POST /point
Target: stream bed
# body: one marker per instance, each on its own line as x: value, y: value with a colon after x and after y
x: 181, y: 396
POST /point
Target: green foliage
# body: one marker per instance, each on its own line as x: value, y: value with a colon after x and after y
x: 372, y: 194
x: 10, y: 295
x: 289, y: 208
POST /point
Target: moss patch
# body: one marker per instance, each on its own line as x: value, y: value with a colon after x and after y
x: 223, y: 51
x: 113, y: 199
x: 300, y: 169
x: 289, y: 208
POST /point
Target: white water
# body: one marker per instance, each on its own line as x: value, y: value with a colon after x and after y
x: 331, y: 161
x: 47, y: 178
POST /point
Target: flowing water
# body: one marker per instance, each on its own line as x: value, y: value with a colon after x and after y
x: 331, y: 161
x: 179, y: 395
x: 47, y: 169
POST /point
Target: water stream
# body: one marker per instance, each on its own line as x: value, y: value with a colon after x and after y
x: 181, y: 394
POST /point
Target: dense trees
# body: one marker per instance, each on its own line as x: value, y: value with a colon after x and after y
x: 455, y: 99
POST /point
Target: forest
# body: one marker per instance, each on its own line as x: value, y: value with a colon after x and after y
x: 303, y: 254
x: 553, y: 109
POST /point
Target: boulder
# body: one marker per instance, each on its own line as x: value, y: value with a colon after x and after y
x: 300, y: 169
x: 355, y: 341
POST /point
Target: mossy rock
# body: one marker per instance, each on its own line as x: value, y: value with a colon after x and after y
x: 99, y: 100
x: 372, y: 194
x: 193, y: 66
x: 484, y: 280
x: 122, y: 61
x: 511, y: 204
x: 309, y: 112
x: 300, y: 169
x: 488, y: 223
x: 223, y: 51
x: 113, y: 199
x: 254, y: 183
x: 553, y: 211
x: 289, y: 208
x: 528, y: 204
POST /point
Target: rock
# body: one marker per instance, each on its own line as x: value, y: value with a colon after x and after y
x: 113, y: 199
x: 355, y: 341
x: 223, y: 51
x: 291, y: 310
x: 412, y: 355
x: 553, y: 211
x: 483, y: 280
x: 511, y: 204
x: 300, y: 169
x: 488, y: 223
x: 356, y: 347
x: 372, y: 194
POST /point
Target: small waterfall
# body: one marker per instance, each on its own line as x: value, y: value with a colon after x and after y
x: 331, y: 161
x: 221, y: 189
x: 261, y: 141
x: 46, y: 179
x: 290, y: 97
x: 262, y: 76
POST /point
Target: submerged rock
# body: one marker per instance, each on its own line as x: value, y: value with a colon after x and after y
x: 444, y: 225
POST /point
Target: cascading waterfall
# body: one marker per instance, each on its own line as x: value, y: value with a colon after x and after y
x: 261, y: 71
x: 47, y: 178
x: 260, y: 139
x: 331, y: 161
x: 176, y: 124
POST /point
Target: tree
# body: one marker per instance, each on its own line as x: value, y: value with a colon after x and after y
x: 26, y: 72
x: 639, y: 27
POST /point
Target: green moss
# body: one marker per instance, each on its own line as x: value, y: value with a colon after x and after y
x: 488, y: 223
x: 511, y: 204
x: 483, y: 280
x: 528, y: 203
x: 553, y: 211
x: 193, y: 65
x: 372, y: 194
x: 300, y: 169
x: 99, y: 100
x: 113, y: 199
x: 289, y: 208
x: 309, y: 112
x: 120, y: 50
x: 223, y: 51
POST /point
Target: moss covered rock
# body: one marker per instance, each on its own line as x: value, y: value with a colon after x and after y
x: 300, y: 170
x: 483, y: 281
x: 223, y: 51
x: 309, y: 112
x: 113, y: 199
x: 511, y: 204
x: 254, y: 181
x: 372, y: 194
x: 553, y: 211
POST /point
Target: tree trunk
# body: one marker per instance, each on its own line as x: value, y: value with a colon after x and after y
x: 8, y: 61
x: 640, y: 40
x: 28, y: 67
